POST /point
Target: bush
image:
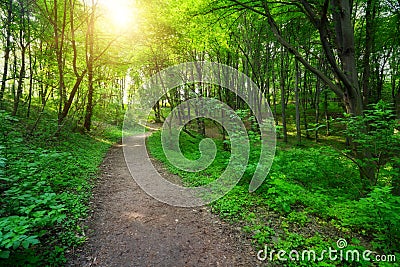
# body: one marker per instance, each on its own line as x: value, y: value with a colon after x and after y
x: 377, y: 143
x: 316, y: 169
x: 378, y: 213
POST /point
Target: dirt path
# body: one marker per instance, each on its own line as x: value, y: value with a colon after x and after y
x: 129, y: 228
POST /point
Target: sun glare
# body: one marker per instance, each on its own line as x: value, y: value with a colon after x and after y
x: 121, y: 13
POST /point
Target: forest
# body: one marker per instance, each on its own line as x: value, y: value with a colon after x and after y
x: 329, y: 71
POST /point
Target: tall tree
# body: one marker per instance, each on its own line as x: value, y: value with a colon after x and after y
x: 337, y: 44
x: 90, y: 66
x: 7, y: 46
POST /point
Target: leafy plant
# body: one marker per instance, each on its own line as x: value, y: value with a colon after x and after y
x: 281, y: 195
x: 377, y: 141
x: 304, y: 167
x: 45, y: 185
x: 299, y: 218
x: 378, y: 213
x: 262, y: 234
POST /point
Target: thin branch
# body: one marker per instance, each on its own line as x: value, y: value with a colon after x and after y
x: 295, y: 52
x: 245, y: 5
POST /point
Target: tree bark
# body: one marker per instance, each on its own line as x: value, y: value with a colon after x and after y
x: 369, y: 40
x: 7, y: 50
x: 298, y: 128
x: 32, y: 65
x: 283, y: 103
x: 304, y: 104
x: 59, y: 38
x: 90, y: 63
x: 326, y: 113
x: 317, y: 100
x: 346, y: 51
x: 21, y: 78
x: 23, y: 45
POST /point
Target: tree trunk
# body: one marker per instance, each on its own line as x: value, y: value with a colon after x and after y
x: 283, y: 103
x: 397, y: 102
x: 326, y: 113
x: 20, y: 81
x: 317, y: 100
x: 59, y: 36
x: 157, y: 113
x: 7, y: 50
x: 352, y: 96
x: 70, y: 100
x: 32, y: 64
x: 78, y: 77
x: 369, y: 41
x: 298, y: 128
x: 304, y: 105
x: 275, y: 113
x: 346, y: 52
x: 90, y: 62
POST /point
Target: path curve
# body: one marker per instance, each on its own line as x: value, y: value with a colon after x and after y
x: 129, y: 228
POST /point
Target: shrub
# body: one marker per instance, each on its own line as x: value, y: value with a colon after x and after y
x: 378, y: 213
x: 377, y: 143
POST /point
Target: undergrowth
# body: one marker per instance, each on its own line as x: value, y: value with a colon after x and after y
x: 307, y: 189
x: 45, y: 185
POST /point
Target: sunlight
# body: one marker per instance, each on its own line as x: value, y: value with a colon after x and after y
x: 121, y: 13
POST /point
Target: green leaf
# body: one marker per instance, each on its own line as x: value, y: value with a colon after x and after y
x: 32, y: 240
x: 4, y: 254
x: 272, y: 190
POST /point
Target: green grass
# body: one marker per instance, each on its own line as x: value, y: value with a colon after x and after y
x: 190, y: 149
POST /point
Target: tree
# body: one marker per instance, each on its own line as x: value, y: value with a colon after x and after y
x: 89, y: 64
x: 297, y: 101
x: 7, y: 46
x: 24, y: 43
x: 338, y: 45
x: 332, y: 21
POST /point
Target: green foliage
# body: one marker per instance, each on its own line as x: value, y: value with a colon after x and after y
x: 378, y: 213
x: 376, y: 140
x: 190, y: 149
x: 3, y: 161
x: 233, y: 204
x: 299, y: 218
x: 304, y: 166
x: 262, y: 234
x: 282, y: 195
x: 293, y: 241
x: 45, y: 187
x: 113, y: 114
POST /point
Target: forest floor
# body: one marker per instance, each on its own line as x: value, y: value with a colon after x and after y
x: 129, y: 228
